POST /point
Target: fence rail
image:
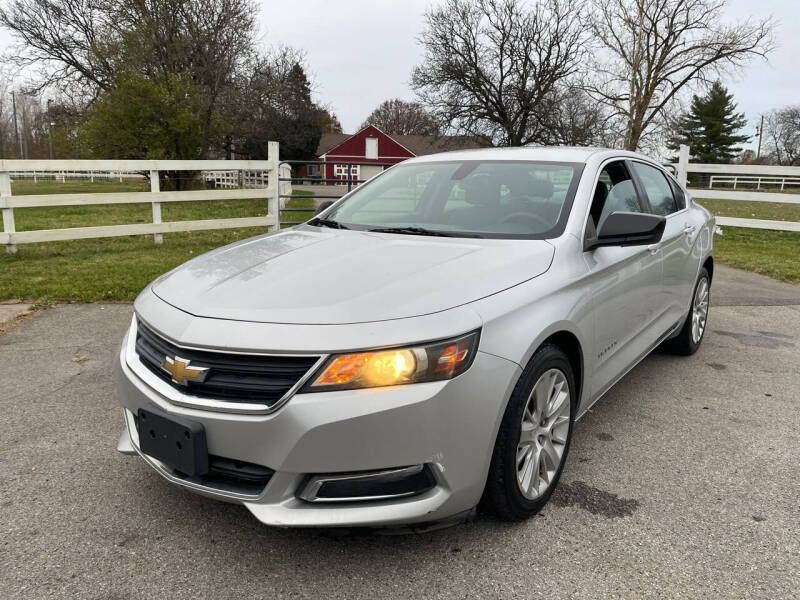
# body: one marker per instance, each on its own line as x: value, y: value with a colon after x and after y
x: 683, y: 167
x: 77, y: 175
x: 752, y: 180
x: 277, y: 179
x: 10, y: 237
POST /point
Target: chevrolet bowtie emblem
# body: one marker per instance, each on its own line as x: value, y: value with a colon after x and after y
x: 181, y: 372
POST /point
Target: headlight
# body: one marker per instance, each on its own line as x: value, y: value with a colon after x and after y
x: 396, y: 366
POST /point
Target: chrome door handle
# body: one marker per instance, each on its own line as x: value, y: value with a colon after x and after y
x: 653, y: 248
x: 689, y: 229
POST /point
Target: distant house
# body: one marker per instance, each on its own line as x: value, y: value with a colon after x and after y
x: 371, y: 145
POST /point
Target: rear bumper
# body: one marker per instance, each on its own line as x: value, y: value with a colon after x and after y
x: 449, y: 426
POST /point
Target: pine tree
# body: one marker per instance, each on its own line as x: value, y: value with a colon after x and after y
x: 710, y: 127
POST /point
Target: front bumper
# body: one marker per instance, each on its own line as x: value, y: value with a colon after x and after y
x: 449, y: 426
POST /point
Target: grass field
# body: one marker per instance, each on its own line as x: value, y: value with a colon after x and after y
x: 772, y: 211
x: 116, y: 269
x: 113, y: 268
x: 772, y: 253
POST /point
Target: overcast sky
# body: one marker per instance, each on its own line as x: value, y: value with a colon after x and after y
x: 361, y: 52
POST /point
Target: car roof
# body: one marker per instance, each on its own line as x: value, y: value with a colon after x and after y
x: 572, y: 154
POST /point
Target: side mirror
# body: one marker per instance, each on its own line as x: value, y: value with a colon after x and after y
x: 626, y: 229
x: 324, y: 205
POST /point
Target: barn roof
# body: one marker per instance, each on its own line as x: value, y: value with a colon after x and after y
x: 419, y: 145
x: 329, y: 141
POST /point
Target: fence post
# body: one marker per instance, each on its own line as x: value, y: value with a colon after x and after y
x: 274, y: 202
x: 683, y: 165
x: 155, y: 187
x: 285, y: 186
x: 349, y: 177
x: 8, y: 213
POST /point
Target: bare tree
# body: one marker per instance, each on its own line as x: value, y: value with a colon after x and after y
x: 85, y: 45
x: 782, y: 135
x: 69, y: 42
x: 651, y: 49
x: 7, y: 137
x: 490, y: 65
x: 400, y: 117
x: 573, y: 118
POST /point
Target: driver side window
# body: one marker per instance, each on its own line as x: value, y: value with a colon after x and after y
x: 614, y: 192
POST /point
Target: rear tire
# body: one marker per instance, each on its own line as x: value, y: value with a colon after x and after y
x: 691, y: 334
x: 533, y: 440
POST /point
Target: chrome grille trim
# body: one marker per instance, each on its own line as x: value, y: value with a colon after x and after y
x: 174, y: 396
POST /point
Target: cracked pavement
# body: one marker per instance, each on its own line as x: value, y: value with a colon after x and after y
x: 683, y: 481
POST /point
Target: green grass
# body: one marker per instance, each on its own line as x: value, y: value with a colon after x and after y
x: 26, y: 187
x: 113, y: 269
x: 57, y: 217
x: 772, y: 253
x: 772, y: 211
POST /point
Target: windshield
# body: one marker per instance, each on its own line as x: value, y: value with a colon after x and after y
x: 465, y: 198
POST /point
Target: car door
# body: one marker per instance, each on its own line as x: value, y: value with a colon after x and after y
x: 623, y: 282
x: 679, y: 268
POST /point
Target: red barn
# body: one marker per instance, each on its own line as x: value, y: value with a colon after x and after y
x: 371, y: 145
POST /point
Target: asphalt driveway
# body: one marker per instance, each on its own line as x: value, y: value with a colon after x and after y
x: 684, y: 481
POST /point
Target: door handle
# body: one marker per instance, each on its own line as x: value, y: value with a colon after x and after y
x: 653, y: 248
x: 689, y: 229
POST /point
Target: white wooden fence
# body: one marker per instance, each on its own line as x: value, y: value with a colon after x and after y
x: 753, y: 181
x: 63, y: 176
x: 10, y: 237
x: 684, y: 167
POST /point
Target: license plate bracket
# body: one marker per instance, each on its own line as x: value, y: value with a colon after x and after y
x: 177, y: 442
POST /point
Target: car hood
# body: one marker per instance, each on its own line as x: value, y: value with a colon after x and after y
x: 306, y: 276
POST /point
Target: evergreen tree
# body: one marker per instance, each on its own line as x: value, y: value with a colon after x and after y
x: 711, y: 127
x: 277, y: 106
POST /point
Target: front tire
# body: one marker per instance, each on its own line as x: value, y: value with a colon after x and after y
x: 691, y: 335
x: 534, y: 437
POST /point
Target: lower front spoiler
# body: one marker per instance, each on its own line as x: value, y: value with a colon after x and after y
x: 278, y: 506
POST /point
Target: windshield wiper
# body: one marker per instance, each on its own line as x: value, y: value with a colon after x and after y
x: 411, y: 230
x: 319, y: 222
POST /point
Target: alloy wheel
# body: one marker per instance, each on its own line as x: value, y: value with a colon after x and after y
x: 544, y: 430
x: 700, y: 311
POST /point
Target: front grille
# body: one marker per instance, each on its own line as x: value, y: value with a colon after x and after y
x: 254, y: 378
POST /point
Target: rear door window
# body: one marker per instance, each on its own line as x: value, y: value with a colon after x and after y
x: 680, y: 197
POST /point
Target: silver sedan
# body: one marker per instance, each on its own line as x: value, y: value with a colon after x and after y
x: 422, y: 347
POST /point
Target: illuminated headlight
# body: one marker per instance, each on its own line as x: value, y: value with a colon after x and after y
x: 397, y: 366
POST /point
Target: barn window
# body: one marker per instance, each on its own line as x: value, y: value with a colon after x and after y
x: 372, y: 147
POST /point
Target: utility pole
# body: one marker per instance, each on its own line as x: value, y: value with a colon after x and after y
x: 50, y: 127
x: 16, y: 128
x: 26, y: 152
x: 760, y: 137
